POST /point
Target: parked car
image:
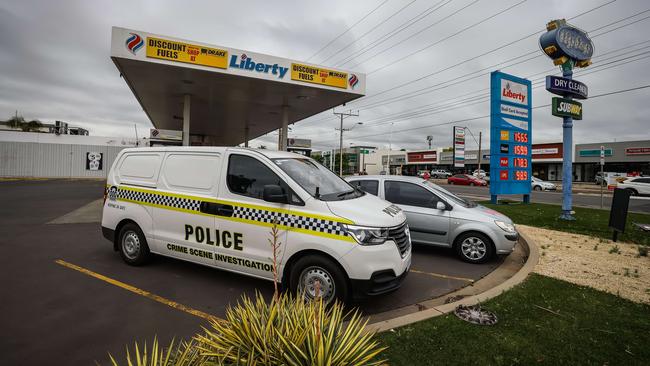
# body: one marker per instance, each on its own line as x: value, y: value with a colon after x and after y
x: 637, y: 186
x: 466, y: 180
x: 540, y: 185
x: 598, y: 179
x: 479, y: 173
x: 213, y: 206
x: 438, y: 217
x: 440, y: 173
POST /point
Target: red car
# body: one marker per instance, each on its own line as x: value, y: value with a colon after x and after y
x: 466, y: 180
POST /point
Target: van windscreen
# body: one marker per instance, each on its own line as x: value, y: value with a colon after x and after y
x: 317, y: 180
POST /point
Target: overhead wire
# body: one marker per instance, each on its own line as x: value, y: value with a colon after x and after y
x: 369, y: 31
x: 488, y: 115
x: 390, y: 34
x: 481, y: 55
x: 347, y: 30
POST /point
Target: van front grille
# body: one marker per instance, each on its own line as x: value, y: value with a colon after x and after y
x: 401, y: 238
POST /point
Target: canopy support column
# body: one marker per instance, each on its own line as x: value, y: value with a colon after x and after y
x: 187, y: 100
x: 246, y: 134
x: 282, y: 143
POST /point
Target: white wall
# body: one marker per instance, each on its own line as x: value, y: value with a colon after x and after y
x: 25, y: 154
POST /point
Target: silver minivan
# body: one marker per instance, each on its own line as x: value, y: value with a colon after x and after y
x: 438, y: 217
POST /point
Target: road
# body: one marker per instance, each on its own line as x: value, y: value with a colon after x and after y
x: 637, y: 204
x: 63, y: 282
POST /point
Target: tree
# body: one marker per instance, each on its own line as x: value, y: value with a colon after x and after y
x: 15, y: 121
x: 32, y: 126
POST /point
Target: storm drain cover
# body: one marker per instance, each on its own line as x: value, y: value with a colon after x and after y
x: 475, y: 315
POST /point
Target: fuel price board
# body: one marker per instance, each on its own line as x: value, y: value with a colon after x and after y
x: 510, y: 135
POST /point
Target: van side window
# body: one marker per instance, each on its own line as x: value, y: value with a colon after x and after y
x: 248, y: 176
x: 403, y: 193
x: 368, y: 186
x: 181, y: 169
x: 140, y: 169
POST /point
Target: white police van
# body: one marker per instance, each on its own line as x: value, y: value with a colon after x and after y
x: 216, y: 206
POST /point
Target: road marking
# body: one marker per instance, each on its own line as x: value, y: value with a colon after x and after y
x: 140, y: 292
x: 439, y: 275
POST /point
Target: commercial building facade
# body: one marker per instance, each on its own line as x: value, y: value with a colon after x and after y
x: 631, y: 157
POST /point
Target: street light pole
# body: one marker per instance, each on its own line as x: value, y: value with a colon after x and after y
x: 342, y: 115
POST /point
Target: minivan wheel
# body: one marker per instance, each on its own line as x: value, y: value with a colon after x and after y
x: 474, y: 247
x: 133, y: 245
x: 315, y: 276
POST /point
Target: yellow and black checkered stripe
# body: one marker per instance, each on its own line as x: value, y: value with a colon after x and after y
x: 303, y: 222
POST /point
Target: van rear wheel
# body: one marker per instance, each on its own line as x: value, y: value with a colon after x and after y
x: 315, y: 276
x: 133, y: 245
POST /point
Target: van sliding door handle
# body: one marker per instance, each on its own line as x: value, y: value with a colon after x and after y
x: 225, y: 210
x: 216, y: 209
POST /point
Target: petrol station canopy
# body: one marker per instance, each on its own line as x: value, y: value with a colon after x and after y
x: 225, y: 95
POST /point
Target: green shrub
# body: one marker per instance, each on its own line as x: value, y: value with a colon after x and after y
x: 286, y: 331
x: 183, y: 354
x: 290, y: 331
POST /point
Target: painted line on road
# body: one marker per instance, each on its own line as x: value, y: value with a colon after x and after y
x: 439, y: 275
x: 138, y: 291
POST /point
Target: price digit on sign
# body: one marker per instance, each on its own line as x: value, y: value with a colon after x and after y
x: 521, y: 137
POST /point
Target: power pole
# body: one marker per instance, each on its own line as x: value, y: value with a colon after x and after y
x: 480, y: 135
x: 343, y: 115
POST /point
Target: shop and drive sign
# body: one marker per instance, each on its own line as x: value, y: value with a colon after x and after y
x: 510, y: 134
x: 185, y: 52
x: 322, y: 76
x: 459, y: 147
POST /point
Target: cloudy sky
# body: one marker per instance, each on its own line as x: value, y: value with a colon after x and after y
x: 427, y: 61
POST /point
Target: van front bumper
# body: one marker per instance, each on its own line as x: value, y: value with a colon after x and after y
x: 380, y: 282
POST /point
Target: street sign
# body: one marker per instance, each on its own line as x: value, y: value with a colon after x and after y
x: 364, y: 152
x: 566, y: 87
x: 510, y: 135
x: 459, y: 147
x: 562, y: 107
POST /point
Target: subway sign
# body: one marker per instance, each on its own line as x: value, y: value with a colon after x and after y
x: 562, y: 107
x: 566, y: 87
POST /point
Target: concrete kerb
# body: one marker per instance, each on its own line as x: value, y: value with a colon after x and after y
x: 517, y: 278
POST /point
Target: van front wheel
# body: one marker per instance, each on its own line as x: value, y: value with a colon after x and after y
x: 133, y: 245
x: 315, y: 276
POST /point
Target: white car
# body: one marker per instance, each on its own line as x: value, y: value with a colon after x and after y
x: 440, y: 174
x: 637, y: 186
x: 537, y: 184
x: 216, y: 206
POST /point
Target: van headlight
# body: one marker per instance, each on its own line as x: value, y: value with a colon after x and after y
x: 507, y: 227
x: 365, y: 235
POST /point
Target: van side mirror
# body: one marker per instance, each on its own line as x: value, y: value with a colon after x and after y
x: 441, y: 206
x: 275, y: 193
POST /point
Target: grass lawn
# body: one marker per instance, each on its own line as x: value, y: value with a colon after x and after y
x: 589, y: 221
x: 593, y: 328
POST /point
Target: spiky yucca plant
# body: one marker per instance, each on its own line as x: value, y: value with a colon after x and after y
x: 183, y: 354
x: 290, y: 331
